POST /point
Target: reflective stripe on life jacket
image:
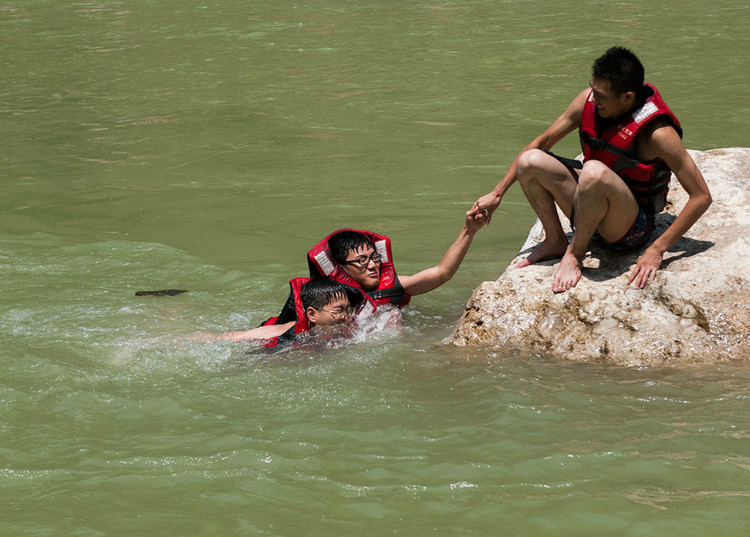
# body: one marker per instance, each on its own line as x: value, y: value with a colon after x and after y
x: 389, y: 291
x: 615, y: 146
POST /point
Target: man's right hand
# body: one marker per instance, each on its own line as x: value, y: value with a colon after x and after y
x: 485, y: 206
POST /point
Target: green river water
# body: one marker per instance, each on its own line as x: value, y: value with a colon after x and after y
x: 206, y: 146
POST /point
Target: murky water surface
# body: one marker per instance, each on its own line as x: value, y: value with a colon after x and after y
x: 207, y: 146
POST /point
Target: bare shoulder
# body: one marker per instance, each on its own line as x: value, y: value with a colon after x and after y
x: 575, y: 109
x: 582, y: 97
x: 406, y: 282
x: 661, y: 125
x: 566, y: 123
x: 664, y: 144
x: 660, y: 141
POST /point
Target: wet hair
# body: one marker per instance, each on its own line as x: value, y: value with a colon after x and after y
x: 343, y: 242
x: 621, y: 68
x: 321, y: 292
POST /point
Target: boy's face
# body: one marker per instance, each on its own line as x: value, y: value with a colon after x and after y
x: 362, y: 268
x: 337, y: 311
x: 609, y: 103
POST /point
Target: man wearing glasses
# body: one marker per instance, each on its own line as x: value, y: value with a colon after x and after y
x: 363, y: 260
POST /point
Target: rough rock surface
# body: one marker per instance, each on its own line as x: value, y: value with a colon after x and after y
x: 697, y: 309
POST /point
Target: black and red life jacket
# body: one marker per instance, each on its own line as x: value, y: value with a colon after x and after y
x: 292, y: 311
x: 614, y: 145
x: 389, y: 291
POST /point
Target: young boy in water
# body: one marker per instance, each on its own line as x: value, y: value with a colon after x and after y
x: 312, y: 303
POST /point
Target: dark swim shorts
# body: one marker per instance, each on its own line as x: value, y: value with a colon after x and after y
x: 638, y: 234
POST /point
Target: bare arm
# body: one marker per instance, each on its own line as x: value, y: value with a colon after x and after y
x: 261, y: 332
x: 665, y: 144
x: 562, y: 126
x: 434, y: 277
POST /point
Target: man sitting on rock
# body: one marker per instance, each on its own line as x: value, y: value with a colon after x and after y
x: 631, y: 141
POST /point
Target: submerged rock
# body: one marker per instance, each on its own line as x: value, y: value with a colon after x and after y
x: 697, y: 309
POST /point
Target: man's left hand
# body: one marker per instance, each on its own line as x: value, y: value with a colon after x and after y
x: 645, y: 268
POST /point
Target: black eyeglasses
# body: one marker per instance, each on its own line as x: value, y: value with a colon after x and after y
x: 363, y: 260
x: 337, y: 314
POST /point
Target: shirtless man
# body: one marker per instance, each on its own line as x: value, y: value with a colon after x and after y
x: 631, y: 140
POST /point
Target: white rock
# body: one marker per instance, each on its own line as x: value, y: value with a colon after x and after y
x: 697, y: 309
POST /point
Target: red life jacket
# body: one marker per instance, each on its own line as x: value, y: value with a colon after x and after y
x: 292, y: 311
x: 389, y: 289
x: 615, y: 146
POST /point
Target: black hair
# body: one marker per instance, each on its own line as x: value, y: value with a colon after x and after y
x: 621, y: 68
x: 320, y: 292
x: 343, y: 242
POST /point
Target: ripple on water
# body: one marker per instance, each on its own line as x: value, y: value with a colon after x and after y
x: 104, y: 392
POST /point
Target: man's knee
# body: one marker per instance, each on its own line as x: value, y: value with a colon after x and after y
x: 529, y: 161
x: 594, y: 176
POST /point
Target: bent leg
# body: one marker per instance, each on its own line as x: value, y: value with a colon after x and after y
x: 602, y: 202
x: 546, y: 181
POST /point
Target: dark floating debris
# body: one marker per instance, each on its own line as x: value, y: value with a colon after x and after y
x: 162, y: 292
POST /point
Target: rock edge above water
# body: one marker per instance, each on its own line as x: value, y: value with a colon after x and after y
x: 697, y: 309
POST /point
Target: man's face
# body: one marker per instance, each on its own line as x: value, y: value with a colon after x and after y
x: 610, y: 104
x: 362, y: 267
x: 337, y: 311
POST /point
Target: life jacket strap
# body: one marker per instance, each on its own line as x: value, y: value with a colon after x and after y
x: 397, y: 291
x: 569, y: 162
x: 627, y: 159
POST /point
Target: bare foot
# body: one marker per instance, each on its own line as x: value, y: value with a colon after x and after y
x: 544, y: 251
x: 568, y: 274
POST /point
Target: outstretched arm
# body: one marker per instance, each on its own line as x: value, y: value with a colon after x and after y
x: 563, y: 125
x: 434, y: 277
x: 261, y: 332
